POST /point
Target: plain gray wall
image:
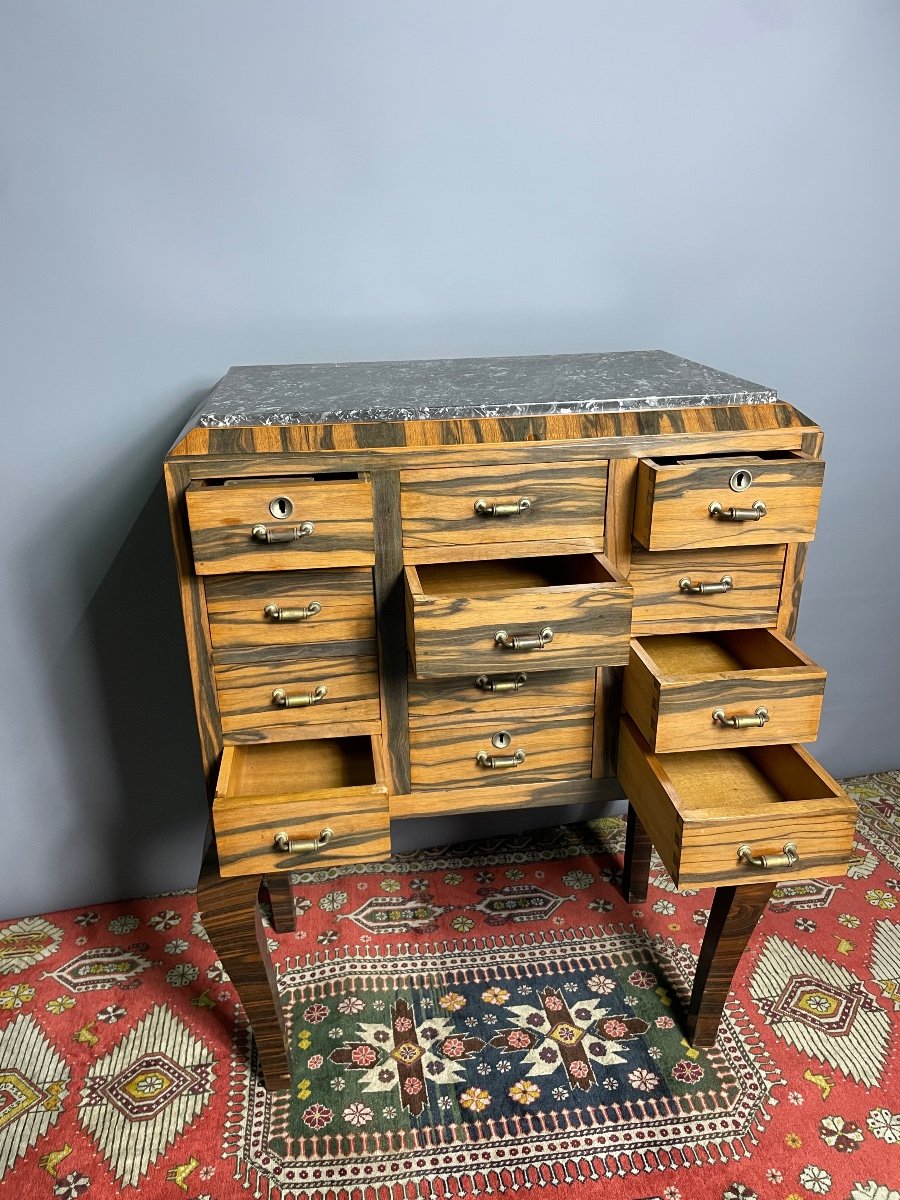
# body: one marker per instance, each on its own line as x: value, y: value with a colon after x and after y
x: 186, y: 186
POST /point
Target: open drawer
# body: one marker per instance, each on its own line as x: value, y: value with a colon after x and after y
x: 747, y: 500
x: 705, y: 691
x: 276, y: 803
x: 724, y: 817
x: 568, y: 610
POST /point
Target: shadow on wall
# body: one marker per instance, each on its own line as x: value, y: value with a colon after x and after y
x: 117, y: 693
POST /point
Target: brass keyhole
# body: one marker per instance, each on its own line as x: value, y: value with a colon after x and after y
x: 501, y: 739
x: 281, y: 508
x: 740, y: 481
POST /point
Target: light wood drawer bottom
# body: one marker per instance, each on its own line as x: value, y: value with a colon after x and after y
x: 699, y: 807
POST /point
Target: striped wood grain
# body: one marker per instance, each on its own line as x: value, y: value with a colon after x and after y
x: 247, y: 708
x: 700, y: 806
x: 673, y: 684
x: 795, y: 559
x: 542, y: 691
x: 661, y: 607
x: 672, y: 501
x: 557, y: 746
x: 454, y: 611
x: 566, y: 501
x: 236, y: 603
x: 221, y: 520
x: 516, y: 796
x: 300, y: 788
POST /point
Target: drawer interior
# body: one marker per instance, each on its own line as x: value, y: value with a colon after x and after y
x: 316, y: 765
x: 510, y: 574
x: 690, y: 654
x: 735, y: 783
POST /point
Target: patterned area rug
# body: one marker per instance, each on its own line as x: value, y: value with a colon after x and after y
x: 487, y: 1020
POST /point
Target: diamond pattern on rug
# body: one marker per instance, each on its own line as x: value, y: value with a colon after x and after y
x: 103, y: 968
x: 33, y: 1084
x: 25, y: 943
x: 822, y: 1009
x: 138, y: 1098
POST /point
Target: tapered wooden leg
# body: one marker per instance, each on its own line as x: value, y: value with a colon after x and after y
x: 281, y: 897
x: 733, y: 917
x: 636, y: 872
x: 229, y: 910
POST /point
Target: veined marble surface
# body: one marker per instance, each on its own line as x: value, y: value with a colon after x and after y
x: 328, y: 393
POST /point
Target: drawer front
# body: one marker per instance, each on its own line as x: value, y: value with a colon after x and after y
x: 709, y: 502
x: 518, y: 692
x: 292, y: 608
x: 500, y: 507
x: 329, y: 524
x: 250, y: 711
x: 663, y: 605
x: 443, y: 755
x: 297, y: 805
x: 700, y: 808
x: 725, y: 704
x: 459, y: 634
x: 246, y: 828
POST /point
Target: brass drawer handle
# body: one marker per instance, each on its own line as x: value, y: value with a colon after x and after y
x: 756, y: 513
x: 509, y: 642
x: 494, y: 683
x: 725, y: 584
x: 275, y: 613
x: 283, y: 700
x: 494, y: 761
x: 262, y: 533
x: 759, y: 718
x: 788, y: 858
x: 502, y: 510
x: 311, y: 846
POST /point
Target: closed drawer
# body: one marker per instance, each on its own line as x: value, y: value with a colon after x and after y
x: 701, y: 807
x: 500, y: 507
x: 499, y: 694
x: 707, y: 691
x: 293, y: 608
x: 502, y: 751
x: 301, y: 790
x: 683, y: 590
x: 494, y: 616
x: 749, y: 500
x: 274, y: 701
x: 280, y: 524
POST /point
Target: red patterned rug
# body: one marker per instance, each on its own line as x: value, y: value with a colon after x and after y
x: 484, y: 1020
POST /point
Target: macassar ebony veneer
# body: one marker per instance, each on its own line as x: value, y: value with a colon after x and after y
x: 424, y: 588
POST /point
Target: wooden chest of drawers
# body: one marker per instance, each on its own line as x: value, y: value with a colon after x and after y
x: 600, y: 576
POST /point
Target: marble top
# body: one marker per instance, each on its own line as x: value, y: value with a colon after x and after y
x: 328, y: 393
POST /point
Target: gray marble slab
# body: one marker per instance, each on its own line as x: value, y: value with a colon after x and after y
x: 327, y: 393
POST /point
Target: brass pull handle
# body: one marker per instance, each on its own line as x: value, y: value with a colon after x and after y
x: 757, y: 721
x: 502, y: 510
x: 274, y: 613
x: 725, y: 584
x: 283, y: 700
x: 495, y: 761
x: 493, y: 683
x: 789, y: 857
x: 262, y: 533
x: 310, y: 846
x: 756, y: 513
x: 509, y: 642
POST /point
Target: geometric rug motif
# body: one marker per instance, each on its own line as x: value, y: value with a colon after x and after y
x: 33, y: 1084
x: 802, y: 894
x: 885, y: 960
x: 879, y: 803
x: 822, y: 1009
x: 26, y: 942
x: 137, y: 1099
x: 102, y: 968
x: 490, y: 1059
